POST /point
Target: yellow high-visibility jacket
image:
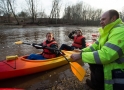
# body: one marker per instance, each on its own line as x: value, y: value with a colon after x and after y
x: 108, y: 50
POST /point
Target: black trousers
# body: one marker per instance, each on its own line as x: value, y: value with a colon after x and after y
x: 97, y: 76
x: 66, y: 47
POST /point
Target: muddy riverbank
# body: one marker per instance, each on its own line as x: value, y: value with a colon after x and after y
x: 66, y: 83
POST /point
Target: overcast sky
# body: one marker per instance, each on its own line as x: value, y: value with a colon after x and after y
x: 97, y: 4
x: 106, y: 4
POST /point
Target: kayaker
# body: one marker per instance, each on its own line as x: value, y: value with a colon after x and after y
x: 106, y: 55
x: 47, y: 53
x: 78, y: 41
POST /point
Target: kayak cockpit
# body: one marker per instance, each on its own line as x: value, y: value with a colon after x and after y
x: 25, y: 58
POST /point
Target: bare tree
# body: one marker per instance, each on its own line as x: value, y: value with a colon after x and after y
x: 23, y: 14
x: 77, y: 13
x: 67, y: 13
x: 55, y: 10
x: 10, y: 3
x: 32, y: 6
x: 6, y: 6
x: 5, y: 9
x: 42, y: 14
x: 74, y: 13
x: 98, y: 14
x: 82, y: 13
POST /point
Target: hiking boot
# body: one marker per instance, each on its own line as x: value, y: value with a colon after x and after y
x: 89, y: 83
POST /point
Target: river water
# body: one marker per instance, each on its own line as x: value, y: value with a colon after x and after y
x: 8, y: 37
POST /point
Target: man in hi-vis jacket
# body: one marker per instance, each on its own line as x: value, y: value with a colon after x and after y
x: 106, y: 55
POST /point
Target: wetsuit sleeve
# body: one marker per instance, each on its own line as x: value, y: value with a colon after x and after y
x: 83, y: 43
x: 71, y: 35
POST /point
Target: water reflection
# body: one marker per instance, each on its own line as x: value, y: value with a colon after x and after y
x: 35, y: 35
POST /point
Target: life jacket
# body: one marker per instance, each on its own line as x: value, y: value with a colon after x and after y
x: 77, y: 41
x: 109, y: 51
x: 46, y: 52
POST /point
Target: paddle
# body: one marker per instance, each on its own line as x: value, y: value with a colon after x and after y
x: 78, y: 70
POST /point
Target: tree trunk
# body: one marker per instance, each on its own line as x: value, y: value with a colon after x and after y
x: 13, y: 12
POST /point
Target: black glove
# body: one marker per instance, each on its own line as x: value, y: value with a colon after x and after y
x: 34, y: 44
x: 73, y: 32
x: 44, y: 47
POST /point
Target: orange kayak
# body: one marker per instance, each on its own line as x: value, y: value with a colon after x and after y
x: 22, y: 66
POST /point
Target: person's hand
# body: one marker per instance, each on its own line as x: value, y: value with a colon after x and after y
x: 44, y: 47
x: 34, y: 44
x: 73, y: 32
x: 76, y: 56
x: 77, y: 50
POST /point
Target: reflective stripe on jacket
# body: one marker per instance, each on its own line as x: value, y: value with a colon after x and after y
x: 46, y: 52
x: 109, y: 51
x: 77, y: 41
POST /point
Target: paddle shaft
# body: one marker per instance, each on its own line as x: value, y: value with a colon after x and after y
x: 59, y: 52
x: 32, y: 45
x: 64, y: 56
x: 27, y: 43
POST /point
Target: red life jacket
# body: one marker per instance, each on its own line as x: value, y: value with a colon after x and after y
x: 46, y: 52
x: 77, y: 41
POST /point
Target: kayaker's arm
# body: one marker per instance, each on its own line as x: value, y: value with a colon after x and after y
x: 83, y: 43
x: 56, y: 51
x: 71, y: 35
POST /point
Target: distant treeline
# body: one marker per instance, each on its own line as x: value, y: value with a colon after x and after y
x: 78, y: 14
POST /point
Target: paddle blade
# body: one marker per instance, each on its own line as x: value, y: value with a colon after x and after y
x: 78, y: 71
x: 18, y: 42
